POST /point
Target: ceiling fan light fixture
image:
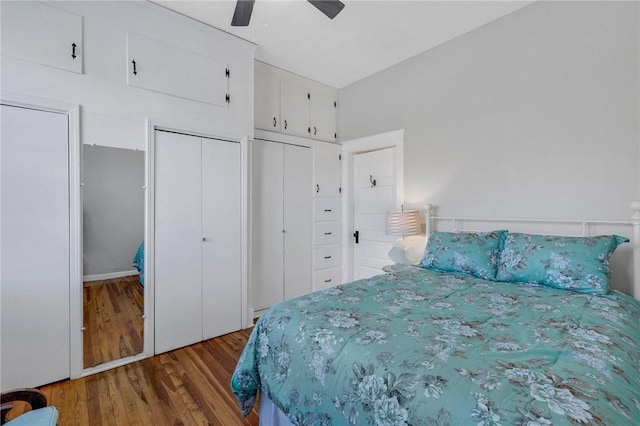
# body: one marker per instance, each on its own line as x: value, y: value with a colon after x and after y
x: 242, y: 14
x: 244, y: 8
x: 331, y: 8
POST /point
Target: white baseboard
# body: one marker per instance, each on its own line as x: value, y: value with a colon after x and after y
x: 109, y: 276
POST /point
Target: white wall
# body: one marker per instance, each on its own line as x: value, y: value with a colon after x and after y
x: 535, y: 114
x: 113, y: 113
x: 113, y: 208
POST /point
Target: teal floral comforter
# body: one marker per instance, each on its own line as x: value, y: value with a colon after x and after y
x: 420, y: 347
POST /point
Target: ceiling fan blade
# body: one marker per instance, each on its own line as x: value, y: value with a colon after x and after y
x: 242, y: 14
x: 329, y: 7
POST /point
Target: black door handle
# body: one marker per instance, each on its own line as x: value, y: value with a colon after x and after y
x: 274, y: 122
x: 357, y: 236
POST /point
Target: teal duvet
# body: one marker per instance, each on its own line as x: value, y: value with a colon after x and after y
x: 420, y: 347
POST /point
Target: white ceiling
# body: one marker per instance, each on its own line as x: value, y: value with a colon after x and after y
x: 366, y: 37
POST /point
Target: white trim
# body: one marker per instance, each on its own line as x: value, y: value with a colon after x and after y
x: 75, y: 215
x: 149, y: 242
x: 247, y: 316
x: 109, y: 275
x: 349, y: 149
x: 284, y: 138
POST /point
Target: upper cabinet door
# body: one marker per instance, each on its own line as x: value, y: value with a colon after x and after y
x: 327, y: 170
x: 43, y: 34
x: 157, y: 66
x: 267, y: 102
x: 323, y: 117
x: 295, y: 109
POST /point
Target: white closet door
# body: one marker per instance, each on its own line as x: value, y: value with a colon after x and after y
x: 178, y: 241
x: 294, y: 108
x: 221, y: 235
x: 35, y: 248
x: 267, y: 236
x: 297, y: 221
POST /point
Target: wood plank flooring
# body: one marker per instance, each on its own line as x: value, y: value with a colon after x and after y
x: 112, y: 319
x: 188, y: 386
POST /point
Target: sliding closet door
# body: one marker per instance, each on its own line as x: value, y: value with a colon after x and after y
x: 297, y: 221
x: 221, y: 238
x: 178, y: 241
x: 35, y: 247
x: 267, y: 228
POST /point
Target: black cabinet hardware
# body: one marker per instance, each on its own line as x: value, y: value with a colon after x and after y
x: 135, y: 72
x: 274, y: 122
x: 315, y: 131
x: 285, y: 124
x: 327, y: 233
x: 73, y: 50
x: 317, y: 188
x: 327, y: 281
x: 356, y: 235
x: 372, y: 180
x: 327, y: 210
x: 327, y: 257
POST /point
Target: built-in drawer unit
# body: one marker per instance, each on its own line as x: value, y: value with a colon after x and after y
x: 326, y: 256
x: 326, y: 233
x: 325, y: 278
x: 327, y: 209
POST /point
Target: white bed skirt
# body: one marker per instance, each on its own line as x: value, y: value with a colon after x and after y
x: 270, y: 414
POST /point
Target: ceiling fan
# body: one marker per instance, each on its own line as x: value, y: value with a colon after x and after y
x: 242, y: 14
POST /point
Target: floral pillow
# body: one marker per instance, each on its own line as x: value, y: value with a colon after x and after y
x: 573, y: 263
x: 474, y: 253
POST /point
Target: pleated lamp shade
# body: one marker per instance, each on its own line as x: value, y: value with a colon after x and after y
x: 406, y: 222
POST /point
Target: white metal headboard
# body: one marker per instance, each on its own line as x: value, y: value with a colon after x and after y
x: 625, y: 262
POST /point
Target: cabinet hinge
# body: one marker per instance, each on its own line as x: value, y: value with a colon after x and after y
x: 227, y: 98
x: 226, y: 72
x: 309, y: 96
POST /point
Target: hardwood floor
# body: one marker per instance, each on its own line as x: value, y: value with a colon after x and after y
x: 112, y: 319
x: 188, y: 386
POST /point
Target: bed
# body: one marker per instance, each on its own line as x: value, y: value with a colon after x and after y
x: 471, y: 336
x: 138, y: 262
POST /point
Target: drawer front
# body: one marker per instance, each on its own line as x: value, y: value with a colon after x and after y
x: 326, y: 233
x: 327, y: 209
x: 326, y: 278
x: 326, y: 256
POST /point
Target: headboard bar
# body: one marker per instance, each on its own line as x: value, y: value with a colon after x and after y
x: 634, y: 221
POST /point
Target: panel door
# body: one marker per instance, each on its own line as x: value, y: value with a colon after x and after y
x: 267, y: 226
x: 221, y: 238
x: 178, y: 241
x: 371, y: 202
x: 48, y: 36
x: 34, y: 282
x: 168, y: 69
x: 294, y: 109
x: 297, y: 221
x: 323, y: 117
x: 267, y: 102
x: 327, y: 170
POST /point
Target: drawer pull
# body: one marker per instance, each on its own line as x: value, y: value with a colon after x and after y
x: 327, y: 210
x: 327, y: 281
x: 327, y: 233
x: 327, y: 257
